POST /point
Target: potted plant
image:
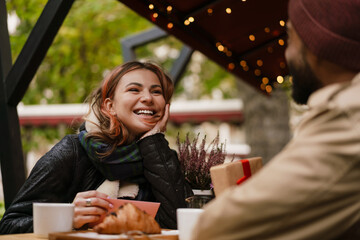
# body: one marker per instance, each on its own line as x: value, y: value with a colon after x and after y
x: 196, y: 159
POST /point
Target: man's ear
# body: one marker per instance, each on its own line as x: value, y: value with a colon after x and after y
x: 109, y: 106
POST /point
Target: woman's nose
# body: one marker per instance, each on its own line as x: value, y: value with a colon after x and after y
x: 146, y: 96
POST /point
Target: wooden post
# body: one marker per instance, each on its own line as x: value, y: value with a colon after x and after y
x: 11, y: 156
x: 14, y: 83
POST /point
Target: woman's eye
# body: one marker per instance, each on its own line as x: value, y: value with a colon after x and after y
x: 157, y: 92
x: 134, y: 90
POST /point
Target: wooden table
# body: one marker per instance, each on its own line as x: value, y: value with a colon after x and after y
x: 24, y: 236
x: 85, y: 235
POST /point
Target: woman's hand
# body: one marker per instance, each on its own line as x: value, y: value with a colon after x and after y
x: 89, y: 207
x: 160, y: 126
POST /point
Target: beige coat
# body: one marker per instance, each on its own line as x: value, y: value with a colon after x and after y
x: 310, y: 190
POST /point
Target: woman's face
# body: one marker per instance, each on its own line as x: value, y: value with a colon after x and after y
x: 138, y: 101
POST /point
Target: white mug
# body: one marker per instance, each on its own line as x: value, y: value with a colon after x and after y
x: 186, y: 219
x: 52, y: 217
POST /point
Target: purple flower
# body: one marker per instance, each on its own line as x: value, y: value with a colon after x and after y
x: 196, y: 161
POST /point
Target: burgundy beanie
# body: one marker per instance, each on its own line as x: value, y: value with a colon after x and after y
x: 329, y: 28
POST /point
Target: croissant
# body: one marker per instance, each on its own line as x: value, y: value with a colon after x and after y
x: 128, y: 218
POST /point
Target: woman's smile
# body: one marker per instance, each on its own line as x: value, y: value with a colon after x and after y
x: 148, y: 116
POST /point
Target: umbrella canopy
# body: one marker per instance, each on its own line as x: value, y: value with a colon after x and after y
x: 246, y: 37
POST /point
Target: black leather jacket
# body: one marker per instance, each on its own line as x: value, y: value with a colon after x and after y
x: 66, y: 170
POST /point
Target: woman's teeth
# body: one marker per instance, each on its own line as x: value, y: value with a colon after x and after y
x: 146, y: 112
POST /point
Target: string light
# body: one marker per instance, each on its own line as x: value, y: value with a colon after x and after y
x: 281, y: 42
x: 280, y: 79
x: 170, y: 25
x: 189, y: 20
x: 231, y: 66
x: 282, y: 23
x: 282, y: 65
x: 151, y: 6
x: 270, y: 50
x: 252, y: 37
x: 267, y: 30
x: 221, y: 48
x: 290, y: 79
x: 243, y: 63
x: 209, y: 11
x: 268, y: 89
x: 257, y: 72
x: 259, y: 62
x: 155, y: 15
x: 228, y: 53
x: 244, y: 0
x: 265, y: 80
x: 169, y: 8
x: 262, y: 86
x: 228, y: 10
x: 246, y: 68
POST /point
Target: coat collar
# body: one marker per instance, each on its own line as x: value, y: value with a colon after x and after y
x: 323, y: 95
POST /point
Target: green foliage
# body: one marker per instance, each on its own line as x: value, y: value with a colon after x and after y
x: 216, y: 77
x: 28, y: 12
x: 2, y: 209
x: 286, y: 86
x: 86, y: 45
x: 40, y: 137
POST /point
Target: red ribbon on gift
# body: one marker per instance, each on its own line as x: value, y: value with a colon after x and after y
x: 247, y: 171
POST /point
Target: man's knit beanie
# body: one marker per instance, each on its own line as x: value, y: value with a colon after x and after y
x: 329, y: 28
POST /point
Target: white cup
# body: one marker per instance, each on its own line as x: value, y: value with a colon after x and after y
x: 52, y: 217
x: 186, y: 219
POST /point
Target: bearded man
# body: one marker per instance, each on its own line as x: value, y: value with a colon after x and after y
x: 311, y: 189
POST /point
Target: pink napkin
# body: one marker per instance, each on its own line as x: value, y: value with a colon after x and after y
x: 150, y: 208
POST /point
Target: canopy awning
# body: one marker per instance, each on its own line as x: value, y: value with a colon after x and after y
x: 246, y: 37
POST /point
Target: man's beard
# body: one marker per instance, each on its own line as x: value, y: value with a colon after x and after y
x: 304, y: 81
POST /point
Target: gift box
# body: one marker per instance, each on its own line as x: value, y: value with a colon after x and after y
x: 234, y: 173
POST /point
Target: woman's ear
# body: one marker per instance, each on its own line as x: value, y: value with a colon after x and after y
x: 108, y: 104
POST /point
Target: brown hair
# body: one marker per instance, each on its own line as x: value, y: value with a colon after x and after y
x: 111, y: 129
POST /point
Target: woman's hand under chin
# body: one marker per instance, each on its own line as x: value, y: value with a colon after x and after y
x: 160, y: 126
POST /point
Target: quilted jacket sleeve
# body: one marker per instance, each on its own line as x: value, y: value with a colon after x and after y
x: 43, y: 185
x: 162, y: 170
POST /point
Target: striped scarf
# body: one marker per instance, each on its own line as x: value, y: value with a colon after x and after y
x: 125, y: 163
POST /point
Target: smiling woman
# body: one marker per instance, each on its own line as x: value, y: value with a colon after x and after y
x: 120, y: 152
